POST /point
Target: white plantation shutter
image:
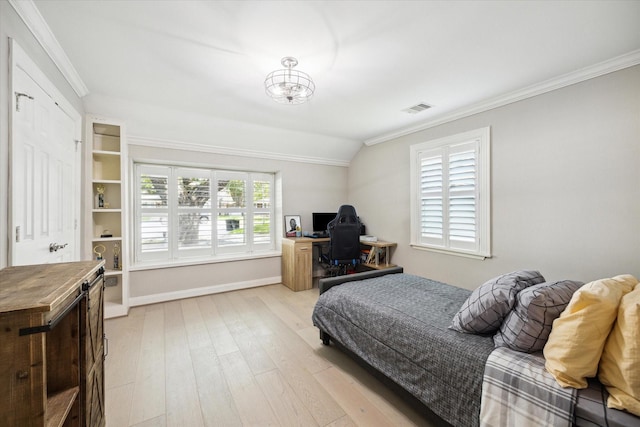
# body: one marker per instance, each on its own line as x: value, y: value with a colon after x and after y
x: 152, y: 213
x: 462, y: 196
x: 193, y: 212
x: 262, y: 210
x: 450, y: 188
x: 232, y: 211
x: 431, y: 200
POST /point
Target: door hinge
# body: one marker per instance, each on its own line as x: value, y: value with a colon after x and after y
x: 78, y: 142
x: 18, y: 234
x: 18, y: 96
x: 75, y: 224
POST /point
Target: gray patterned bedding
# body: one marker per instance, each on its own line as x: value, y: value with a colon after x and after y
x: 399, y: 325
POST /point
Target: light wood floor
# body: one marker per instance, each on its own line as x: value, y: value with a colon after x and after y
x: 242, y: 358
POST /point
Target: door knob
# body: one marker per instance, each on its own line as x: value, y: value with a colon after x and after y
x: 53, y: 247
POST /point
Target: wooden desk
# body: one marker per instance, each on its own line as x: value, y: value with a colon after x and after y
x: 297, y: 260
x: 377, y: 246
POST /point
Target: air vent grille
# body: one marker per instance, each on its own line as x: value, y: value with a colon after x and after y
x: 417, y: 108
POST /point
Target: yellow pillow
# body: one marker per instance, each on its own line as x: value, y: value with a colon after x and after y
x: 578, y: 336
x: 620, y: 363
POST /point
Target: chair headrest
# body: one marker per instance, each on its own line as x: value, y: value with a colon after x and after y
x: 346, y: 210
x: 346, y: 214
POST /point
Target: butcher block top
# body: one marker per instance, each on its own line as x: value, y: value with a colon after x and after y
x: 42, y: 287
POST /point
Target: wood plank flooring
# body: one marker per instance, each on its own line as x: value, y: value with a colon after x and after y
x: 244, y: 358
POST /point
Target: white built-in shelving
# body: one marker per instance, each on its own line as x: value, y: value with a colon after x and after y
x: 106, y: 225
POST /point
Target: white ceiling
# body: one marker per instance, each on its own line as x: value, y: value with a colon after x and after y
x: 369, y: 59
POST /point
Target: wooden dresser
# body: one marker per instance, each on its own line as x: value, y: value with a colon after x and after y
x: 52, y: 345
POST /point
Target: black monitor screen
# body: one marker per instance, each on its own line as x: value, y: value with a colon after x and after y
x: 320, y: 220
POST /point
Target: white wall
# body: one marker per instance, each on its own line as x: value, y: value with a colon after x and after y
x: 11, y: 26
x: 306, y: 187
x: 166, y: 124
x: 565, y: 186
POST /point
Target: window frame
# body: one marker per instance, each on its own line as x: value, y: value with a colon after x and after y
x: 173, y: 254
x: 480, y: 141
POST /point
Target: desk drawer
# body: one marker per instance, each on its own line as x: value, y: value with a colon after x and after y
x: 297, y: 264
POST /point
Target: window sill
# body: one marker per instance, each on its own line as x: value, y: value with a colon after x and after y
x: 450, y: 252
x: 154, y: 265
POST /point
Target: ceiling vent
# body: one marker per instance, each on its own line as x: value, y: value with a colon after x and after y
x: 417, y: 108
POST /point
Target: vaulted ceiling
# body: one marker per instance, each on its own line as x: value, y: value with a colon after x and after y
x: 370, y: 59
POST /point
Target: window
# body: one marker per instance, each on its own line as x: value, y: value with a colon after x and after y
x: 191, y: 213
x: 450, y: 200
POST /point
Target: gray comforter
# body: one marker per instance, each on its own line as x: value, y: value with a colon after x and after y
x: 399, y: 324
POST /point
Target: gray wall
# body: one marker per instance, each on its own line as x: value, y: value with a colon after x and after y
x: 565, y: 186
x: 11, y: 26
x: 305, y: 188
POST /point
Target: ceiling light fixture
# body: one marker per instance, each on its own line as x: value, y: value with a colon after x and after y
x: 289, y: 86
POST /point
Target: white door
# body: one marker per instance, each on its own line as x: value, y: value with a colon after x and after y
x: 44, y: 170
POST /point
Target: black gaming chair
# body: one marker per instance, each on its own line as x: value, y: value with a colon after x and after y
x: 344, y: 234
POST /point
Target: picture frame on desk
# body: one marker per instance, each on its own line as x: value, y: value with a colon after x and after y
x: 292, y: 226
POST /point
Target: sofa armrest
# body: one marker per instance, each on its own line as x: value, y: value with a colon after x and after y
x: 327, y: 283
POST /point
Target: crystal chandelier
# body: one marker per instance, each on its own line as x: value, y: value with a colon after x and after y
x: 289, y: 86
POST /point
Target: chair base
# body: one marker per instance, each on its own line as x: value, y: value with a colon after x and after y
x: 339, y: 270
x: 343, y: 269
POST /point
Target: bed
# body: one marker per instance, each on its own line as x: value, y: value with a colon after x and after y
x: 399, y: 325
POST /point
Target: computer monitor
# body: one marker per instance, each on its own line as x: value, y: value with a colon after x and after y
x: 321, y: 220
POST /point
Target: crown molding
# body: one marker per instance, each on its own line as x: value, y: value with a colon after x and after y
x: 180, y: 145
x: 615, y: 64
x: 32, y: 18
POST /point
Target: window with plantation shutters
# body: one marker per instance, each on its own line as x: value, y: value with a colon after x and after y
x: 193, y: 213
x: 450, y: 194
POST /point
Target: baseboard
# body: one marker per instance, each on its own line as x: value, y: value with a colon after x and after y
x: 205, y: 290
x: 112, y: 310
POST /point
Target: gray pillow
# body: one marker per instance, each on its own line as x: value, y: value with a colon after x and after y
x: 527, y: 327
x: 487, y: 306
